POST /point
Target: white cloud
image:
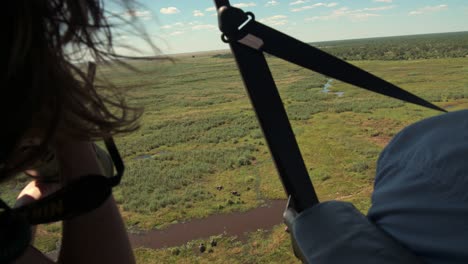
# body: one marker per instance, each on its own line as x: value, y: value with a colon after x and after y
x: 380, y: 8
x: 383, y: 1
x: 335, y: 14
x: 363, y: 16
x: 242, y: 5
x: 302, y: 8
x: 204, y: 26
x: 428, y: 9
x: 174, y: 25
x: 277, y: 20
x: 272, y: 3
x: 176, y: 33
x: 169, y: 10
x: 198, y: 13
x: 299, y: 2
x: 354, y: 15
x: 179, y: 27
x: 213, y: 10
x: 141, y: 14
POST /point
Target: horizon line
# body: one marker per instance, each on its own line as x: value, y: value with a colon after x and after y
x: 321, y: 41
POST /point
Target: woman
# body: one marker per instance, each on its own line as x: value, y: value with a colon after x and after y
x: 45, y: 97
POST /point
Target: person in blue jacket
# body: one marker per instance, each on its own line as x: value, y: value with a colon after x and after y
x: 420, y: 195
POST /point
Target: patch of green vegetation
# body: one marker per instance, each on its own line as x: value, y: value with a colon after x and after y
x: 199, y: 132
x: 47, y: 237
x: 159, y: 182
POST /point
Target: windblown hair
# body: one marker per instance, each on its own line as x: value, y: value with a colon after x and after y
x: 43, y: 93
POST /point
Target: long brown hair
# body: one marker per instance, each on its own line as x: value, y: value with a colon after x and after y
x: 43, y: 93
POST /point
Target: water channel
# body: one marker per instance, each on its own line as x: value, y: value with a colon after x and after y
x: 233, y: 224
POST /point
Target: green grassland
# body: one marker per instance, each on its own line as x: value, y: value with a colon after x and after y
x: 204, y: 134
x: 201, y: 132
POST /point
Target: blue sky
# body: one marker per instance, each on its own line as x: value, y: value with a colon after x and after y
x: 177, y: 26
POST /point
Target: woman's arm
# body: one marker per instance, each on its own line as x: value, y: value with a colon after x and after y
x: 99, y: 236
x: 96, y: 237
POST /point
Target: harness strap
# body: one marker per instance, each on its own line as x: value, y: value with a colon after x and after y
x: 248, y: 40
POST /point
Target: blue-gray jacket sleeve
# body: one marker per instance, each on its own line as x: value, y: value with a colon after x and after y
x: 421, y: 189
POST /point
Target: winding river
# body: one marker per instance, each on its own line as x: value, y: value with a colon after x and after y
x: 233, y: 224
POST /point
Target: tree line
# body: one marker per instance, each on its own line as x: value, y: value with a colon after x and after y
x: 414, y: 47
x: 429, y: 46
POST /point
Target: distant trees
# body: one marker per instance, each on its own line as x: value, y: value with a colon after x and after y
x: 430, y: 46
x: 223, y: 56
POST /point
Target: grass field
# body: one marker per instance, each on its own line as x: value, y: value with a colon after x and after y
x: 203, y: 133
x: 199, y: 131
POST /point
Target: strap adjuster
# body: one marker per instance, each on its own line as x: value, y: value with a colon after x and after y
x: 232, y: 22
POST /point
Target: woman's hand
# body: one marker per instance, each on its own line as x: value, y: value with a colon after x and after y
x: 34, y: 191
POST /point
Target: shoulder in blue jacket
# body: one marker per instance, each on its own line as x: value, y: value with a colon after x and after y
x: 421, y: 188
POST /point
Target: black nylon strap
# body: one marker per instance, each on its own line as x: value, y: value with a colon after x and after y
x: 77, y: 198
x: 270, y: 111
x: 275, y: 125
x: 304, y: 55
x: 117, y: 159
x: 80, y: 197
x: 248, y: 39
